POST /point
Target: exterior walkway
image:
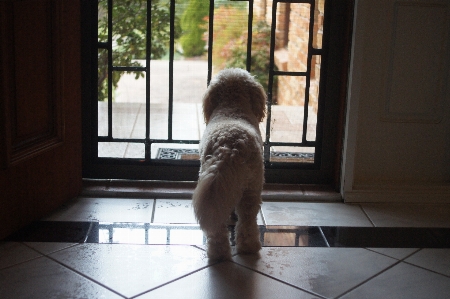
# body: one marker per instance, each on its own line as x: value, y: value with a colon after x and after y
x: 190, y: 78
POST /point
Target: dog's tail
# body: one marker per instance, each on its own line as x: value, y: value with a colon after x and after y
x: 220, y: 186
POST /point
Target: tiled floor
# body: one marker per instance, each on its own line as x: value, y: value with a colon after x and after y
x: 117, y: 248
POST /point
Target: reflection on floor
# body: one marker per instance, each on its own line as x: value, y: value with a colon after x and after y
x: 271, y: 236
x: 153, y: 248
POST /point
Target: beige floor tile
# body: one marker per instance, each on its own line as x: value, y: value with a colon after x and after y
x: 49, y: 247
x: 436, y: 259
x: 310, y: 214
x: 44, y: 278
x: 105, y: 210
x: 397, y: 253
x: 179, y: 211
x: 325, y: 271
x: 12, y: 253
x: 404, y: 282
x: 132, y: 269
x: 227, y: 280
x: 409, y: 215
x: 174, y: 211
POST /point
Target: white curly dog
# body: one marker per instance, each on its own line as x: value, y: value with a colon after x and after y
x: 232, y: 170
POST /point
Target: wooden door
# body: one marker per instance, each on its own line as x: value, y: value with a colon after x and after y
x: 40, y: 109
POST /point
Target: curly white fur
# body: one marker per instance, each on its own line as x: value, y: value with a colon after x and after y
x: 232, y: 171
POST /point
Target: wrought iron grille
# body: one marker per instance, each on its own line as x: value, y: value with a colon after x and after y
x: 298, y: 146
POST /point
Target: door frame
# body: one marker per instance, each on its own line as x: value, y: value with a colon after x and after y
x: 333, y: 114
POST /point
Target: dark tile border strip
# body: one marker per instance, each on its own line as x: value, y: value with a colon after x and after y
x: 271, y: 236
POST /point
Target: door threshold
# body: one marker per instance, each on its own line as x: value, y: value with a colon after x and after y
x: 184, y: 190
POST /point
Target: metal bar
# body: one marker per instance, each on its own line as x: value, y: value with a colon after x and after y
x: 315, y: 51
x: 210, y: 39
x: 250, y: 36
x: 102, y: 45
x: 171, y: 57
x: 283, y: 73
x: 270, y: 87
x: 297, y: 1
x: 137, y: 140
x: 148, y: 48
x: 322, y: 83
x: 272, y: 72
x: 129, y: 68
x: 92, y: 23
x: 302, y: 144
x: 308, y: 68
x: 110, y: 82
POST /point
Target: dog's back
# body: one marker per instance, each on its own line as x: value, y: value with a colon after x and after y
x: 232, y: 171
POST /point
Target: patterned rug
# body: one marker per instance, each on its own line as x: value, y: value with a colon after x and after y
x: 192, y: 154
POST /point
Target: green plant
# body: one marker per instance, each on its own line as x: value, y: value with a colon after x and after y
x: 234, y: 53
x: 229, y: 24
x: 129, y: 37
x: 192, y: 21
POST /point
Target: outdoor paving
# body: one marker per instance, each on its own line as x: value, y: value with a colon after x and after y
x: 189, y: 85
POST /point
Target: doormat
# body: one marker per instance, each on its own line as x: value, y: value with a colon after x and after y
x: 192, y: 154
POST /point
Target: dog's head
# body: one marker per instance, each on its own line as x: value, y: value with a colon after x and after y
x: 235, y: 87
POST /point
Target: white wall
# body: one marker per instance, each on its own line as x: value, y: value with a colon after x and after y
x: 397, y: 146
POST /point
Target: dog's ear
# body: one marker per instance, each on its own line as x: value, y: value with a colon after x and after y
x: 208, y: 105
x: 259, y: 99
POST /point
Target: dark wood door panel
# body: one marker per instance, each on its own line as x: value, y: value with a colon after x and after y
x: 32, y: 55
x: 40, y: 124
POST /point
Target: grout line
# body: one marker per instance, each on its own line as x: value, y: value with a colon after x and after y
x: 173, y: 280
x: 88, y: 232
x: 399, y: 261
x: 426, y: 269
x: 153, y: 211
x: 197, y: 247
x: 41, y: 255
x: 85, y: 276
x: 282, y: 281
x: 383, y: 254
x: 47, y: 254
x: 369, y: 279
x: 323, y: 236
x: 262, y: 216
x: 367, y: 215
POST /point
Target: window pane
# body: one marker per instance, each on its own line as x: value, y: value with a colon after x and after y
x: 121, y: 150
x: 102, y: 21
x: 292, y: 154
x: 129, y: 235
x: 157, y: 236
x: 189, y: 85
x: 102, y: 118
x: 313, y: 104
x: 287, y: 116
x: 292, y: 37
x: 186, y: 236
x: 129, y: 30
x: 174, y: 151
x: 318, y: 23
x: 230, y: 35
x: 125, y: 120
x: 102, y: 79
x: 135, y: 151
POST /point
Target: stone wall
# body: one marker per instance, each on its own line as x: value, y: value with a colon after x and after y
x: 291, y: 48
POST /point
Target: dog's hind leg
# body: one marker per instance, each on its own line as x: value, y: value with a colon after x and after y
x: 218, y: 243
x: 247, y: 231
